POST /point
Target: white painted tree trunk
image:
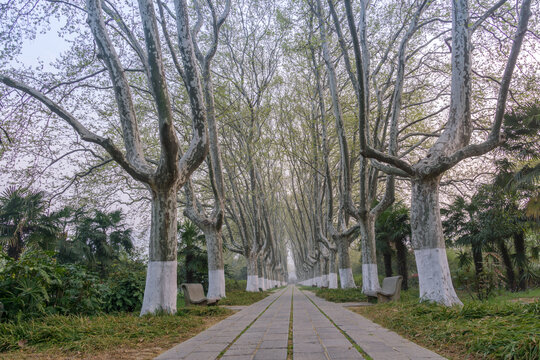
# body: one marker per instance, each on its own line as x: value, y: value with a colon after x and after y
x: 345, y: 271
x: 332, y: 271
x: 332, y: 281
x: 428, y: 243
x: 216, y: 269
x: 252, y: 274
x: 161, y: 287
x: 370, y: 275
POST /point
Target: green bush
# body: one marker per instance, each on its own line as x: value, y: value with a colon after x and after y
x: 231, y: 284
x: 25, y: 284
x: 35, y: 285
x: 77, y: 291
x: 125, y: 288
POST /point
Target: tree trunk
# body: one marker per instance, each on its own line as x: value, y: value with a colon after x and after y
x: 345, y: 272
x: 478, y: 260
x: 332, y: 271
x: 161, y: 288
x: 252, y: 274
x: 401, y: 256
x: 387, y: 257
x: 216, y: 268
x: 260, y: 271
x: 370, y: 275
x: 15, y: 250
x: 428, y: 243
x: 521, y: 259
x: 324, y: 272
x: 507, y: 261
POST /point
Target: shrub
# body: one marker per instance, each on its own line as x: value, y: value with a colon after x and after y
x: 77, y: 291
x: 231, y: 284
x: 35, y: 285
x: 125, y: 287
x: 25, y: 284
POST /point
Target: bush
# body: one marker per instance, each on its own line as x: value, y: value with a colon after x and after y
x: 77, y: 291
x: 231, y: 284
x: 35, y: 285
x: 25, y: 284
x: 125, y: 287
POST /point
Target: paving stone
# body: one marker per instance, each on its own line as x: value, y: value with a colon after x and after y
x: 315, y: 337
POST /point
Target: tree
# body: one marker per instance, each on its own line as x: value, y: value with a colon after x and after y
x: 24, y: 222
x: 100, y: 239
x: 393, y: 227
x: 192, y: 254
x: 169, y: 170
x: 451, y: 147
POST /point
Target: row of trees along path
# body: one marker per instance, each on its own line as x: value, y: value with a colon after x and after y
x: 277, y: 175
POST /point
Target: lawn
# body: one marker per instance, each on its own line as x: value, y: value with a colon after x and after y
x: 113, y: 336
x: 505, y: 327
x: 242, y: 297
x: 337, y: 295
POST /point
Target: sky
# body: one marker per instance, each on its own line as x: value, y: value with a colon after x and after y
x: 44, y: 48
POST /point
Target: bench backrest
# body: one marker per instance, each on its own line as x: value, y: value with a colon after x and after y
x: 193, y: 292
x: 392, y: 284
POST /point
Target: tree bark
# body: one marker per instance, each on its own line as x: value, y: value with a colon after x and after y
x: 161, y: 286
x: 216, y: 267
x: 252, y: 273
x: 521, y: 259
x: 345, y: 272
x: 401, y: 256
x: 387, y: 258
x: 428, y: 243
x: 15, y: 249
x: 477, y: 259
x: 332, y: 271
x: 507, y: 261
x: 370, y: 275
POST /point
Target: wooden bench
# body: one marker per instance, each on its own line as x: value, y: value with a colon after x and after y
x: 391, y: 290
x: 194, y: 295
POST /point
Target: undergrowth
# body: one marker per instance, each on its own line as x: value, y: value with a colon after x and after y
x: 77, y: 333
x: 341, y: 295
x: 242, y: 297
x: 492, y: 330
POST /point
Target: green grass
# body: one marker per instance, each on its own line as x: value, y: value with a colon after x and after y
x: 493, y: 329
x: 64, y: 335
x: 341, y: 295
x: 242, y: 297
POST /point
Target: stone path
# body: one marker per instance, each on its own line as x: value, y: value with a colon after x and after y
x: 320, y: 330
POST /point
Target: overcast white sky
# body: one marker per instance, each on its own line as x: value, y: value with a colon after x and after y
x: 45, y: 48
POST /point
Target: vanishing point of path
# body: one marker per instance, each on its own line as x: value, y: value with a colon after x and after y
x: 294, y: 324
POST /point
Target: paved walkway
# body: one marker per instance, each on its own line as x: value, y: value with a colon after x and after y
x: 320, y: 330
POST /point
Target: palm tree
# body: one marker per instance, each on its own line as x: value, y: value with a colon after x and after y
x: 522, y: 132
x: 100, y: 238
x: 24, y: 222
x: 393, y: 226
x: 192, y: 254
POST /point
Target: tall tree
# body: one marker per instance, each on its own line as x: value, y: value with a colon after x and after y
x: 451, y: 147
x: 164, y: 176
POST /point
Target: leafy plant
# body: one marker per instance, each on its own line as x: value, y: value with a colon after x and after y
x: 125, y: 287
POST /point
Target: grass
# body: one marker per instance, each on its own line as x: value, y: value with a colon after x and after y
x: 290, y: 335
x: 500, y: 328
x: 118, y: 336
x: 341, y: 295
x: 242, y: 297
